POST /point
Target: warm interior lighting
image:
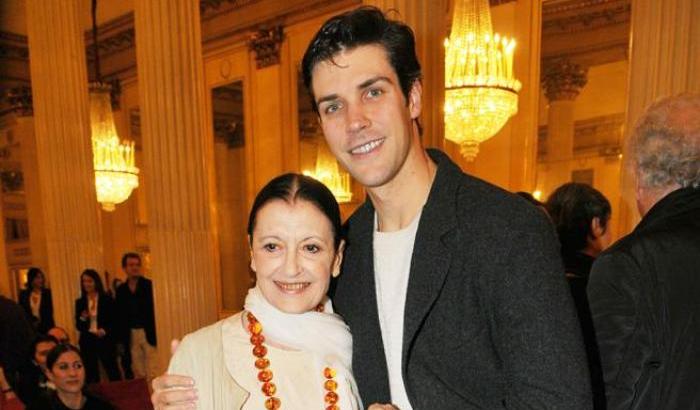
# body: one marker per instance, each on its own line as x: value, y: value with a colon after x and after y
x: 480, y: 89
x: 328, y: 173
x: 115, y: 172
x: 537, y: 195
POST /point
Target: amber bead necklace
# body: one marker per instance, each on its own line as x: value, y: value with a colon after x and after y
x: 262, y: 364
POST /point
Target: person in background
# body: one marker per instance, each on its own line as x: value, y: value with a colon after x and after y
x: 64, y: 369
x: 581, y: 216
x: 31, y: 381
x: 644, y: 291
x: 94, y: 319
x: 137, y: 318
x: 59, y: 334
x: 16, y: 337
x: 36, y: 301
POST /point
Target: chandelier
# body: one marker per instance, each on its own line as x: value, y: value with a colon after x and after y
x: 480, y: 90
x: 328, y: 173
x: 116, y: 174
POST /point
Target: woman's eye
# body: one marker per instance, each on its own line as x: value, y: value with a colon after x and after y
x: 78, y: 366
x: 312, y: 248
x: 63, y: 366
x: 270, y: 247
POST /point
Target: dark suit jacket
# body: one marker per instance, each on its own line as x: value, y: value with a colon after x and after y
x: 45, y: 322
x: 489, y: 321
x: 144, y: 294
x: 105, y: 316
x: 644, y: 294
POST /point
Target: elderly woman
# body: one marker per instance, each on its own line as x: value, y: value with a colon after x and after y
x: 287, y: 348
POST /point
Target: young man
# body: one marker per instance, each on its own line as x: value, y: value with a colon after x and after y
x: 453, y: 288
x: 137, y: 320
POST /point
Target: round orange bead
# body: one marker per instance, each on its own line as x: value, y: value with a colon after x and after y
x: 262, y: 363
x: 330, y: 385
x: 273, y: 403
x: 255, y: 328
x: 331, y: 397
x: 260, y: 351
x: 329, y: 372
x: 332, y: 407
x: 269, y: 389
x: 250, y: 317
x: 265, y: 375
x: 257, y: 339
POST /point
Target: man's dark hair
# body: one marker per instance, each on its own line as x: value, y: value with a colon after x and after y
x: 572, y: 207
x: 294, y: 187
x: 129, y: 255
x: 41, y: 338
x: 361, y: 27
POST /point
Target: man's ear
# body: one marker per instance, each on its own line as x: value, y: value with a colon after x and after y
x: 415, y: 99
x: 338, y: 261
x: 597, y: 229
x: 250, y: 250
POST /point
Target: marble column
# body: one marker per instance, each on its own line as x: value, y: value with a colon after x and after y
x: 176, y: 154
x: 429, y: 20
x: 664, y: 60
x: 63, y: 149
x: 562, y: 81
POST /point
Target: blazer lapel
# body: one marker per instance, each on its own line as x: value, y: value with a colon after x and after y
x: 358, y: 284
x: 431, y: 257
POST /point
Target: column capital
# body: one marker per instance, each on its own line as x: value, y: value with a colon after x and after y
x: 266, y: 44
x: 563, y: 80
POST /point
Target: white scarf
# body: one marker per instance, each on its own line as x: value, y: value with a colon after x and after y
x: 324, y: 335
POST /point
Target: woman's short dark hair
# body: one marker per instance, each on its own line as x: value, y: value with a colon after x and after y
x: 292, y: 187
x: 572, y: 208
x: 57, y: 351
x: 95, y: 277
x: 32, y: 273
x: 360, y: 27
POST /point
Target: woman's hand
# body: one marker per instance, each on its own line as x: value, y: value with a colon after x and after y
x: 173, y: 392
x: 377, y: 406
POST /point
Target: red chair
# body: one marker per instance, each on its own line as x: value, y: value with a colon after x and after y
x: 124, y: 394
x: 12, y: 404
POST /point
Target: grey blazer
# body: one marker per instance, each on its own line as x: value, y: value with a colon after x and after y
x: 489, y: 321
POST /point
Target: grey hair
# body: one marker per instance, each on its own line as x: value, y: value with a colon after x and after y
x: 666, y: 143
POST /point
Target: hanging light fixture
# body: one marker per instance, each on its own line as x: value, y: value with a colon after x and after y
x: 116, y: 174
x: 328, y: 173
x: 481, y: 93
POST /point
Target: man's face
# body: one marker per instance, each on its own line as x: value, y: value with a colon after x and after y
x: 41, y: 351
x: 132, y: 267
x: 365, y: 119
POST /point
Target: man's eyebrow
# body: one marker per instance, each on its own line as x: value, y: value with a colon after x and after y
x: 373, y: 80
x: 361, y: 86
x: 330, y: 97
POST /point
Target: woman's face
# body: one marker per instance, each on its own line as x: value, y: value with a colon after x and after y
x: 293, y: 255
x: 67, y: 374
x: 38, y: 281
x: 88, y: 283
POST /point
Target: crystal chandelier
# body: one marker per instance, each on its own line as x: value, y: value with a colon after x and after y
x: 480, y: 90
x: 328, y: 173
x: 116, y: 174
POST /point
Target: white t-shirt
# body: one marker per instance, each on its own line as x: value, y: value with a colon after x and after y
x: 392, y: 264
